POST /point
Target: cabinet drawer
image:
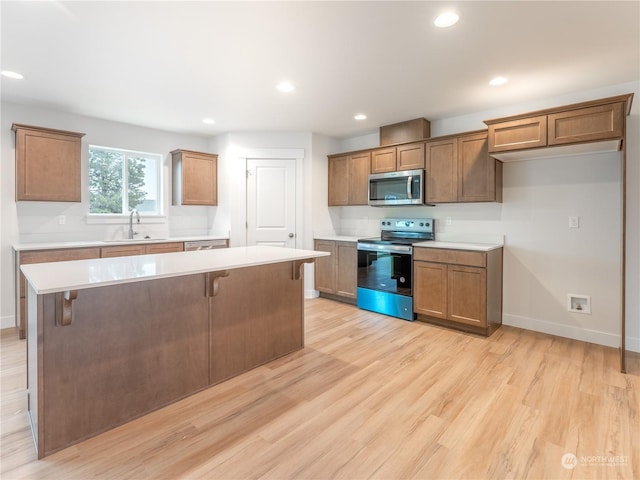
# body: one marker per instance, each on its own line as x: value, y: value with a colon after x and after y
x: 123, y: 251
x: 454, y: 257
x: 164, y: 247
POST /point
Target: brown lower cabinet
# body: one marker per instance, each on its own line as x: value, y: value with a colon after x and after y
x: 132, y: 348
x: 335, y: 275
x: 459, y: 288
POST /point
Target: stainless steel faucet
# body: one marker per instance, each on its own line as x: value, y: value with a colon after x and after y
x: 131, y: 232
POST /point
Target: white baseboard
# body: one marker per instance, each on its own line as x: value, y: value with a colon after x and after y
x: 568, y: 331
x: 633, y: 344
x: 7, y: 321
x: 311, y: 293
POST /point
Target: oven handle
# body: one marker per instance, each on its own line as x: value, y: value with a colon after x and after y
x: 409, y: 182
x: 372, y: 247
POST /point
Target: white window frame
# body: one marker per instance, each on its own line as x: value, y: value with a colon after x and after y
x: 119, y: 218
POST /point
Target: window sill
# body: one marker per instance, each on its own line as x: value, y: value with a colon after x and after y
x: 108, y: 219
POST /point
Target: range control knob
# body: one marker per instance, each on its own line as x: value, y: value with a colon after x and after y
x: 422, y: 224
x: 427, y: 224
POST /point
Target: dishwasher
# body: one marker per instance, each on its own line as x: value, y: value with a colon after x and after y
x: 205, y: 245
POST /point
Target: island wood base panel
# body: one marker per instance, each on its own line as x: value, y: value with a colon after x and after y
x: 132, y: 348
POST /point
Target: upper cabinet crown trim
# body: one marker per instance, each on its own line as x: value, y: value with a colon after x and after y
x: 20, y: 126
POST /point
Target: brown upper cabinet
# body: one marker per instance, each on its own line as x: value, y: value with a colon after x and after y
x: 402, y: 157
x: 195, y: 178
x: 459, y: 169
x: 48, y: 164
x: 594, y: 121
x: 349, y: 179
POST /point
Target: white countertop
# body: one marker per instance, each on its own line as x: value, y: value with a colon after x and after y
x: 100, y: 272
x: 105, y: 243
x: 480, y: 247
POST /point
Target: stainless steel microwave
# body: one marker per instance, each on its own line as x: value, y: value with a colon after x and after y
x: 396, y: 188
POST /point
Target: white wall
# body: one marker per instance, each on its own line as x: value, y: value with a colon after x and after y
x: 544, y: 260
x: 38, y: 221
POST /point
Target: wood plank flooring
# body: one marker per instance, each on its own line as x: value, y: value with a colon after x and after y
x: 369, y: 397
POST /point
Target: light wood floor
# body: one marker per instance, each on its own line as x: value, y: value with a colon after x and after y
x: 369, y: 397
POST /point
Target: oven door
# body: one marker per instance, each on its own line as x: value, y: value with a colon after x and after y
x: 385, y: 278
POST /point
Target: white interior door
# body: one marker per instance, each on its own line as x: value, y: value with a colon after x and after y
x: 271, y: 202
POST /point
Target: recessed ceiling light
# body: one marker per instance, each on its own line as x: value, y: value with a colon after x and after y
x: 446, y: 19
x: 208, y: 121
x: 10, y: 74
x: 285, y: 87
x: 498, y: 81
x: 360, y: 116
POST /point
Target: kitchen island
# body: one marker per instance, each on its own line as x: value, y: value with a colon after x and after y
x: 112, y: 339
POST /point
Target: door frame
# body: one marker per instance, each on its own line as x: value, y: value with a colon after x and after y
x: 239, y: 225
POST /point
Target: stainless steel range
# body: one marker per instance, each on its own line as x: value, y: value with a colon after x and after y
x: 385, y: 266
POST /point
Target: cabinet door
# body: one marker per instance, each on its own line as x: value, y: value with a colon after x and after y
x: 518, y: 134
x: 467, y: 302
x: 430, y: 289
x: 442, y: 171
x: 256, y: 316
x: 476, y: 170
x: 346, y: 270
x: 130, y: 349
x: 338, y: 181
x: 586, y: 124
x: 383, y: 160
x: 325, y: 267
x: 168, y: 247
x: 410, y: 157
x: 47, y: 164
x: 122, y: 251
x: 359, y: 168
x: 195, y: 178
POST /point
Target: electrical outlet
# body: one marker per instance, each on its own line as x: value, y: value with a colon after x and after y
x: 62, y: 219
x: 579, y: 303
x: 448, y: 221
x: 574, y: 222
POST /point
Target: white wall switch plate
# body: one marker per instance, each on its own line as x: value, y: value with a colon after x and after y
x: 62, y: 219
x: 448, y: 220
x: 574, y: 222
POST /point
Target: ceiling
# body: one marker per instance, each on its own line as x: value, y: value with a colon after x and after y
x: 168, y: 65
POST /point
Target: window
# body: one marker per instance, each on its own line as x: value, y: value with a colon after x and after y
x: 122, y: 180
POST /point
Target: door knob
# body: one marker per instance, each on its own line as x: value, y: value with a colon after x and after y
x: 291, y: 235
